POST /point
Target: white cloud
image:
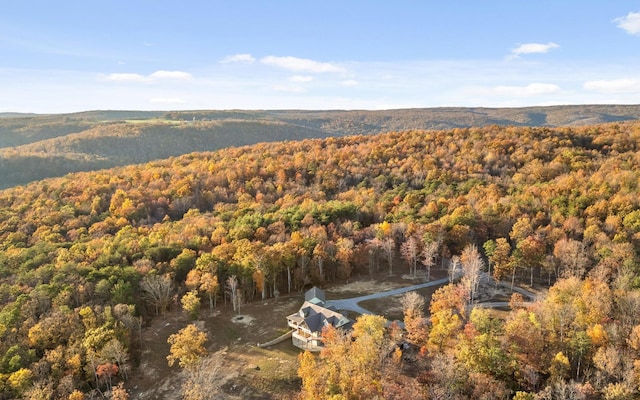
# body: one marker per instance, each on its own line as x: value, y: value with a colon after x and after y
x: 532, y: 89
x: 126, y: 78
x: 238, y: 58
x: 431, y: 83
x: 170, y: 75
x: 166, y: 100
x: 613, y: 86
x: 301, y: 78
x: 300, y: 64
x: 156, y: 76
x: 289, y: 89
x: 630, y: 23
x: 349, y: 82
x: 533, y: 48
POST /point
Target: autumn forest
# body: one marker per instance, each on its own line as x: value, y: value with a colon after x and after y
x: 90, y: 259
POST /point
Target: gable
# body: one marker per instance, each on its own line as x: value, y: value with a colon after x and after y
x: 315, y: 294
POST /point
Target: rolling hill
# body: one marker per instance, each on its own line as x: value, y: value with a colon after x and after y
x: 41, y: 146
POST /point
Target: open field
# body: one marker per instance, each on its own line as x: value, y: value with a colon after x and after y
x: 250, y: 372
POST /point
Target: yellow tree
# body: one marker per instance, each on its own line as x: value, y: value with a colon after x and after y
x: 210, y: 285
x: 313, y: 376
x: 367, y: 352
x: 344, y: 256
x: 447, y: 306
x: 350, y: 365
x: 193, y: 279
x: 191, y: 304
x: 414, y: 320
x: 187, y: 347
x: 499, y: 257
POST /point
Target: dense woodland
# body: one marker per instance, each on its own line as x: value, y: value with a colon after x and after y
x: 88, y: 259
x: 34, y: 147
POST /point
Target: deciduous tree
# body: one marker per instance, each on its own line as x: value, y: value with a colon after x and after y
x: 499, y: 257
x: 414, y: 320
x: 410, y: 251
x: 157, y: 290
x: 429, y: 253
x: 187, y: 347
x: 191, y: 304
x: 472, y: 266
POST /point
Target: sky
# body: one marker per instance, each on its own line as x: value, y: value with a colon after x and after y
x: 68, y: 56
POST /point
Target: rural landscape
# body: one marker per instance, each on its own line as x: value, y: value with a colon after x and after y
x: 336, y: 200
x: 471, y: 262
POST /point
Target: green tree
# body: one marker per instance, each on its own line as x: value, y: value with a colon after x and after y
x: 182, y: 264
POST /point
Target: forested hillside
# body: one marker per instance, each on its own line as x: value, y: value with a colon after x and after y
x: 107, y: 145
x: 36, y: 147
x: 87, y: 259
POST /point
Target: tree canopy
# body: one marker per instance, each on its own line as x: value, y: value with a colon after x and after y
x: 85, y: 256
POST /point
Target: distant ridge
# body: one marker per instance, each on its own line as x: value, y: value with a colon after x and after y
x: 17, y: 115
x: 33, y: 147
x: 459, y: 117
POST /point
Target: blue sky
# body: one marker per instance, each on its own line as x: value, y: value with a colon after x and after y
x: 66, y: 56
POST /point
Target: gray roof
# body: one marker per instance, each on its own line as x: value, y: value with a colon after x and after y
x: 315, y: 293
x: 317, y: 317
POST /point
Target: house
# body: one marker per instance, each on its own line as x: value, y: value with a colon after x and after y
x: 314, y: 314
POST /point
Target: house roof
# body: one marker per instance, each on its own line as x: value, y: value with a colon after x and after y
x: 316, y: 317
x: 315, y: 295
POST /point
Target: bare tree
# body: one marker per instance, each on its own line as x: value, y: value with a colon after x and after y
x: 204, y: 381
x: 388, y: 246
x: 472, y: 265
x: 429, y: 254
x: 232, y: 290
x: 158, y: 291
x: 373, y: 258
x: 410, y: 251
x: 260, y: 259
x: 303, y: 262
x: 572, y: 256
x: 454, y: 268
x: 413, y: 303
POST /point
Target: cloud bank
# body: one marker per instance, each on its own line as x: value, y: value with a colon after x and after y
x: 296, y: 64
x: 301, y: 78
x: 156, y: 76
x: 625, y: 85
x: 167, y: 100
x: 238, y: 58
x: 532, y: 89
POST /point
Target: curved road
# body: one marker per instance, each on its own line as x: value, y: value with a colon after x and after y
x: 352, y: 303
